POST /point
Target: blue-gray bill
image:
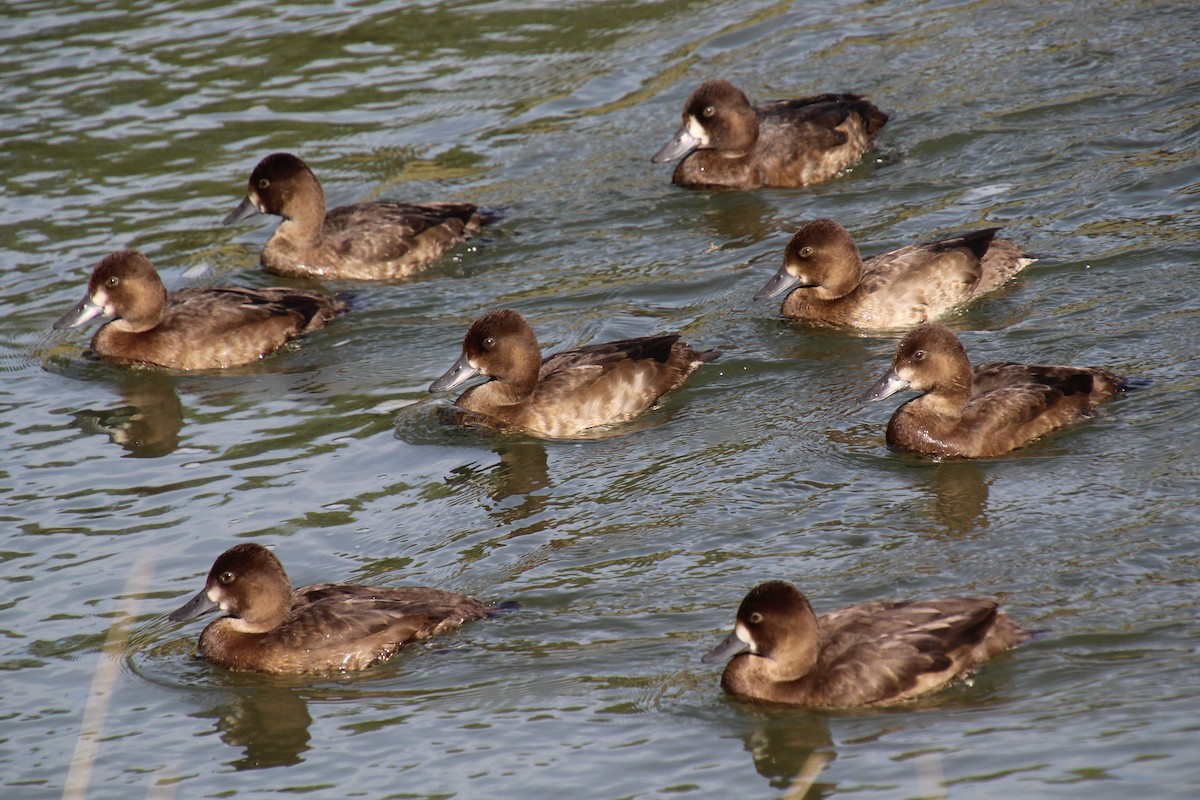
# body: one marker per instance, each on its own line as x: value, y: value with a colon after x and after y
x: 197, y: 606
x: 458, y: 374
x: 781, y: 282
x: 245, y: 210
x: 886, y: 386
x: 726, y: 649
x: 84, y: 311
x: 681, y: 145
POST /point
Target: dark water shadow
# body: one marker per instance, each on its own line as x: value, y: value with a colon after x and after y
x: 270, y: 724
x: 958, y: 496
x: 148, y: 421
x: 790, y: 751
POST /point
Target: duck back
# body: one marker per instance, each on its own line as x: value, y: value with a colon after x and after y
x: 1011, y: 405
x: 371, y: 241
x: 218, y: 327
x: 800, y: 142
x: 340, y: 627
x: 595, y: 385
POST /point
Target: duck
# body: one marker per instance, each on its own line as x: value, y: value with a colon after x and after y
x: 724, y: 142
x: 381, y: 240
x: 985, y: 412
x: 571, y: 391
x: 267, y: 626
x: 870, y: 654
x: 828, y: 283
x: 190, y: 329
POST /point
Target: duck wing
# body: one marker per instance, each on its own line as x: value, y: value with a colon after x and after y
x: 608, y: 355
x: 390, y: 230
x: 351, y: 627
x: 950, y: 267
x: 1008, y: 394
x: 821, y: 115
x: 227, y: 309
x: 881, y: 653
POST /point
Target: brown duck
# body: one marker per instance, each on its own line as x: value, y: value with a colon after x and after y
x: 871, y: 654
x: 568, y: 392
x: 365, y: 241
x: 723, y: 141
x: 269, y: 627
x: 995, y: 408
x: 828, y: 283
x: 210, y: 328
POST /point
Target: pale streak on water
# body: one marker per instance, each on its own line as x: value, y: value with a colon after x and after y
x: 1074, y: 125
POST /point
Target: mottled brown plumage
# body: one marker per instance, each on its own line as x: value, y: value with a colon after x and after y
x: 828, y: 283
x: 211, y: 328
x: 787, y: 143
x: 863, y: 655
x: 571, y: 391
x: 988, y: 411
x: 268, y: 627
x: 365, y: 241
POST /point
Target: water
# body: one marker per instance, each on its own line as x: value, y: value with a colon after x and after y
x: 136, y: 124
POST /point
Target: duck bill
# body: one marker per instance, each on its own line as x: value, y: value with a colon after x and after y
x: 245, y: 210
x: 726, y: 649
x: 196, y: 607
x: 458, y: 374
x: 86, y: 310
x: 681, y: 145
x: 781, y: 282
x: 887, y: 386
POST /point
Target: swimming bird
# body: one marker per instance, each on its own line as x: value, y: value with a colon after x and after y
x: 723, y: 141
x: 988, y: 411
x: 828, y: 283
x: 269, y: 627
x: 365, y: 241
x: 870, y: 654
x: 568, y: 392
x: 188, y: 329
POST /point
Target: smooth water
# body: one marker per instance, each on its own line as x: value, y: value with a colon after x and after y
x: 130, y: 123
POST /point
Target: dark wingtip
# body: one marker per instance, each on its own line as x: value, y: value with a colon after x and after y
x: 504, y: 607
x: 1131, y: 383
x: 490, y: 215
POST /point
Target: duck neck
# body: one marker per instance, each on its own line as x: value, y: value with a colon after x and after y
x: 304, y: 217
x: 266, y: 614
x: 144, y: 310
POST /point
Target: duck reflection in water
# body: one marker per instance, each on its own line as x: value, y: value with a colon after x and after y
x: 270, y: 723
x: 790, y: 751
x: 147, y: 424
x: 958, y: 497
x: 511, y: 488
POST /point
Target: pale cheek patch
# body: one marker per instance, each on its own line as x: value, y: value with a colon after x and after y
x: 212, y: 595
x: 696, y: 130
x: 100, y: 298
x: 743, y: 634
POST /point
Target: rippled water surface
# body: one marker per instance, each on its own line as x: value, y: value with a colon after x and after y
x: 1076, y: 126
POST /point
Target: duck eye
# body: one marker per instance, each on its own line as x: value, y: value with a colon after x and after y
x: 113, y: 280
x: 489, y: 343
x: 264, y: 183
x: 918, y: 355
x: 226, y: 578
x: 806, y: 251
x: 755, y: 618
x: 709, y: 111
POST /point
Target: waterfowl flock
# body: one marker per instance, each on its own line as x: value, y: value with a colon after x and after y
x: 781, y: 651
